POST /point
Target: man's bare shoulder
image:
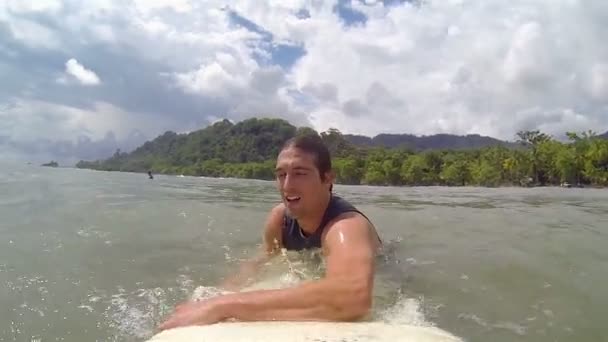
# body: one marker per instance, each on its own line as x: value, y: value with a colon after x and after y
x: 351, y: 227
x: 350, y: 246
x: 276, y: 213
x: 273, y: 227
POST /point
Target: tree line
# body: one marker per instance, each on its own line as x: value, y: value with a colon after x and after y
x: 248, y: 149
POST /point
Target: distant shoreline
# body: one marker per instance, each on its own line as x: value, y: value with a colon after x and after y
x: 248, y: 150
x: 505, y: 186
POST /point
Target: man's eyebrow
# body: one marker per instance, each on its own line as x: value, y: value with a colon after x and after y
x: 279, y: 168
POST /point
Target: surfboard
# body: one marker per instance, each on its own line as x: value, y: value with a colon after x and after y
x: 305, y: 332
x: 300, y: 331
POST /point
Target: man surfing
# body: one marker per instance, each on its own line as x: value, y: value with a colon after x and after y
x: 310, y: 216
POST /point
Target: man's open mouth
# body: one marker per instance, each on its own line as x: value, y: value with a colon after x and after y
x: 292, y: 198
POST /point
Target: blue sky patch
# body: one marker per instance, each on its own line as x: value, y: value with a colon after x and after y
x: 352, y: 17
x: 348, y: 14
x: 284, y: 55
x: 389, y: 3
x: 303, y: 14
x: 239, y: 20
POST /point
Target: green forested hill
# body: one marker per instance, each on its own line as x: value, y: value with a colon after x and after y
x: 207, y: 151
x: 430, y: 142
x: 248, y: 149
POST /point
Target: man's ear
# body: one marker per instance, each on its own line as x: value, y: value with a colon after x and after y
x: 330, y: 176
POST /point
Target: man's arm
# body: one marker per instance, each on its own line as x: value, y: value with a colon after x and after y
x: 344, y: 294
x: 270, y: 246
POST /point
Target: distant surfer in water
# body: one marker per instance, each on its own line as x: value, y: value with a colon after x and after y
x: 310, y: 216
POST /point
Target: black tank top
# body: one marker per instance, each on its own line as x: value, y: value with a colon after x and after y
x: 293, y: 237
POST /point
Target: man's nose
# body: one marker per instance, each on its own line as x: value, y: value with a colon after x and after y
x: 288, y: 182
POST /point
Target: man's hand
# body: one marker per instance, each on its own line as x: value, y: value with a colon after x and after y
x: 193, y: 313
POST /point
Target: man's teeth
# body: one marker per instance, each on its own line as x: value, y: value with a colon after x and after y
x: 293, y: 198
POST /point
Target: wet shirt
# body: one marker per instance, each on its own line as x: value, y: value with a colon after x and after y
x: 293, y: 236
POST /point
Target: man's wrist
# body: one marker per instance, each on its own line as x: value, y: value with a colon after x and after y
x: 223, y: 306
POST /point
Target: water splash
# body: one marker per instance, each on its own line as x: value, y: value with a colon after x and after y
x: 405, y: 311
x: 136, y: 314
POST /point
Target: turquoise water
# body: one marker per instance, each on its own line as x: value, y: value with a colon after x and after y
x: 97, y: 256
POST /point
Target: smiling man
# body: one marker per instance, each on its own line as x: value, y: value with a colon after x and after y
x: 310, y: 216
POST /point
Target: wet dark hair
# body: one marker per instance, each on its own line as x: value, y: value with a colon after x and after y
x: 313, y: 144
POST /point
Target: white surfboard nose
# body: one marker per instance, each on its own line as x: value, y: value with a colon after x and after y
x: 305, y: 332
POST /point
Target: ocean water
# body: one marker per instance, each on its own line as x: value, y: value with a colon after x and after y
x: 100, y: 256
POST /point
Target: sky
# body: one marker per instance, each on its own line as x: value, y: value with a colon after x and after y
x: 80, y: 79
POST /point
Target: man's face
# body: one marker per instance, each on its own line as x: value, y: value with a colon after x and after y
x: 299, y: 182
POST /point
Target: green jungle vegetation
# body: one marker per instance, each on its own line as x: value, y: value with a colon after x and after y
x: 248, y: 149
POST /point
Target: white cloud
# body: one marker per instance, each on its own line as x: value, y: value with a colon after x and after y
x: 32, y: 34
x: 458, y: 67
x: 490, y: 67
x: 527, y: 60
x: 599, y: 82
x: 147, y: 6
x: 79, y: 72
x: 27, y: 6
x: 61, y: 122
